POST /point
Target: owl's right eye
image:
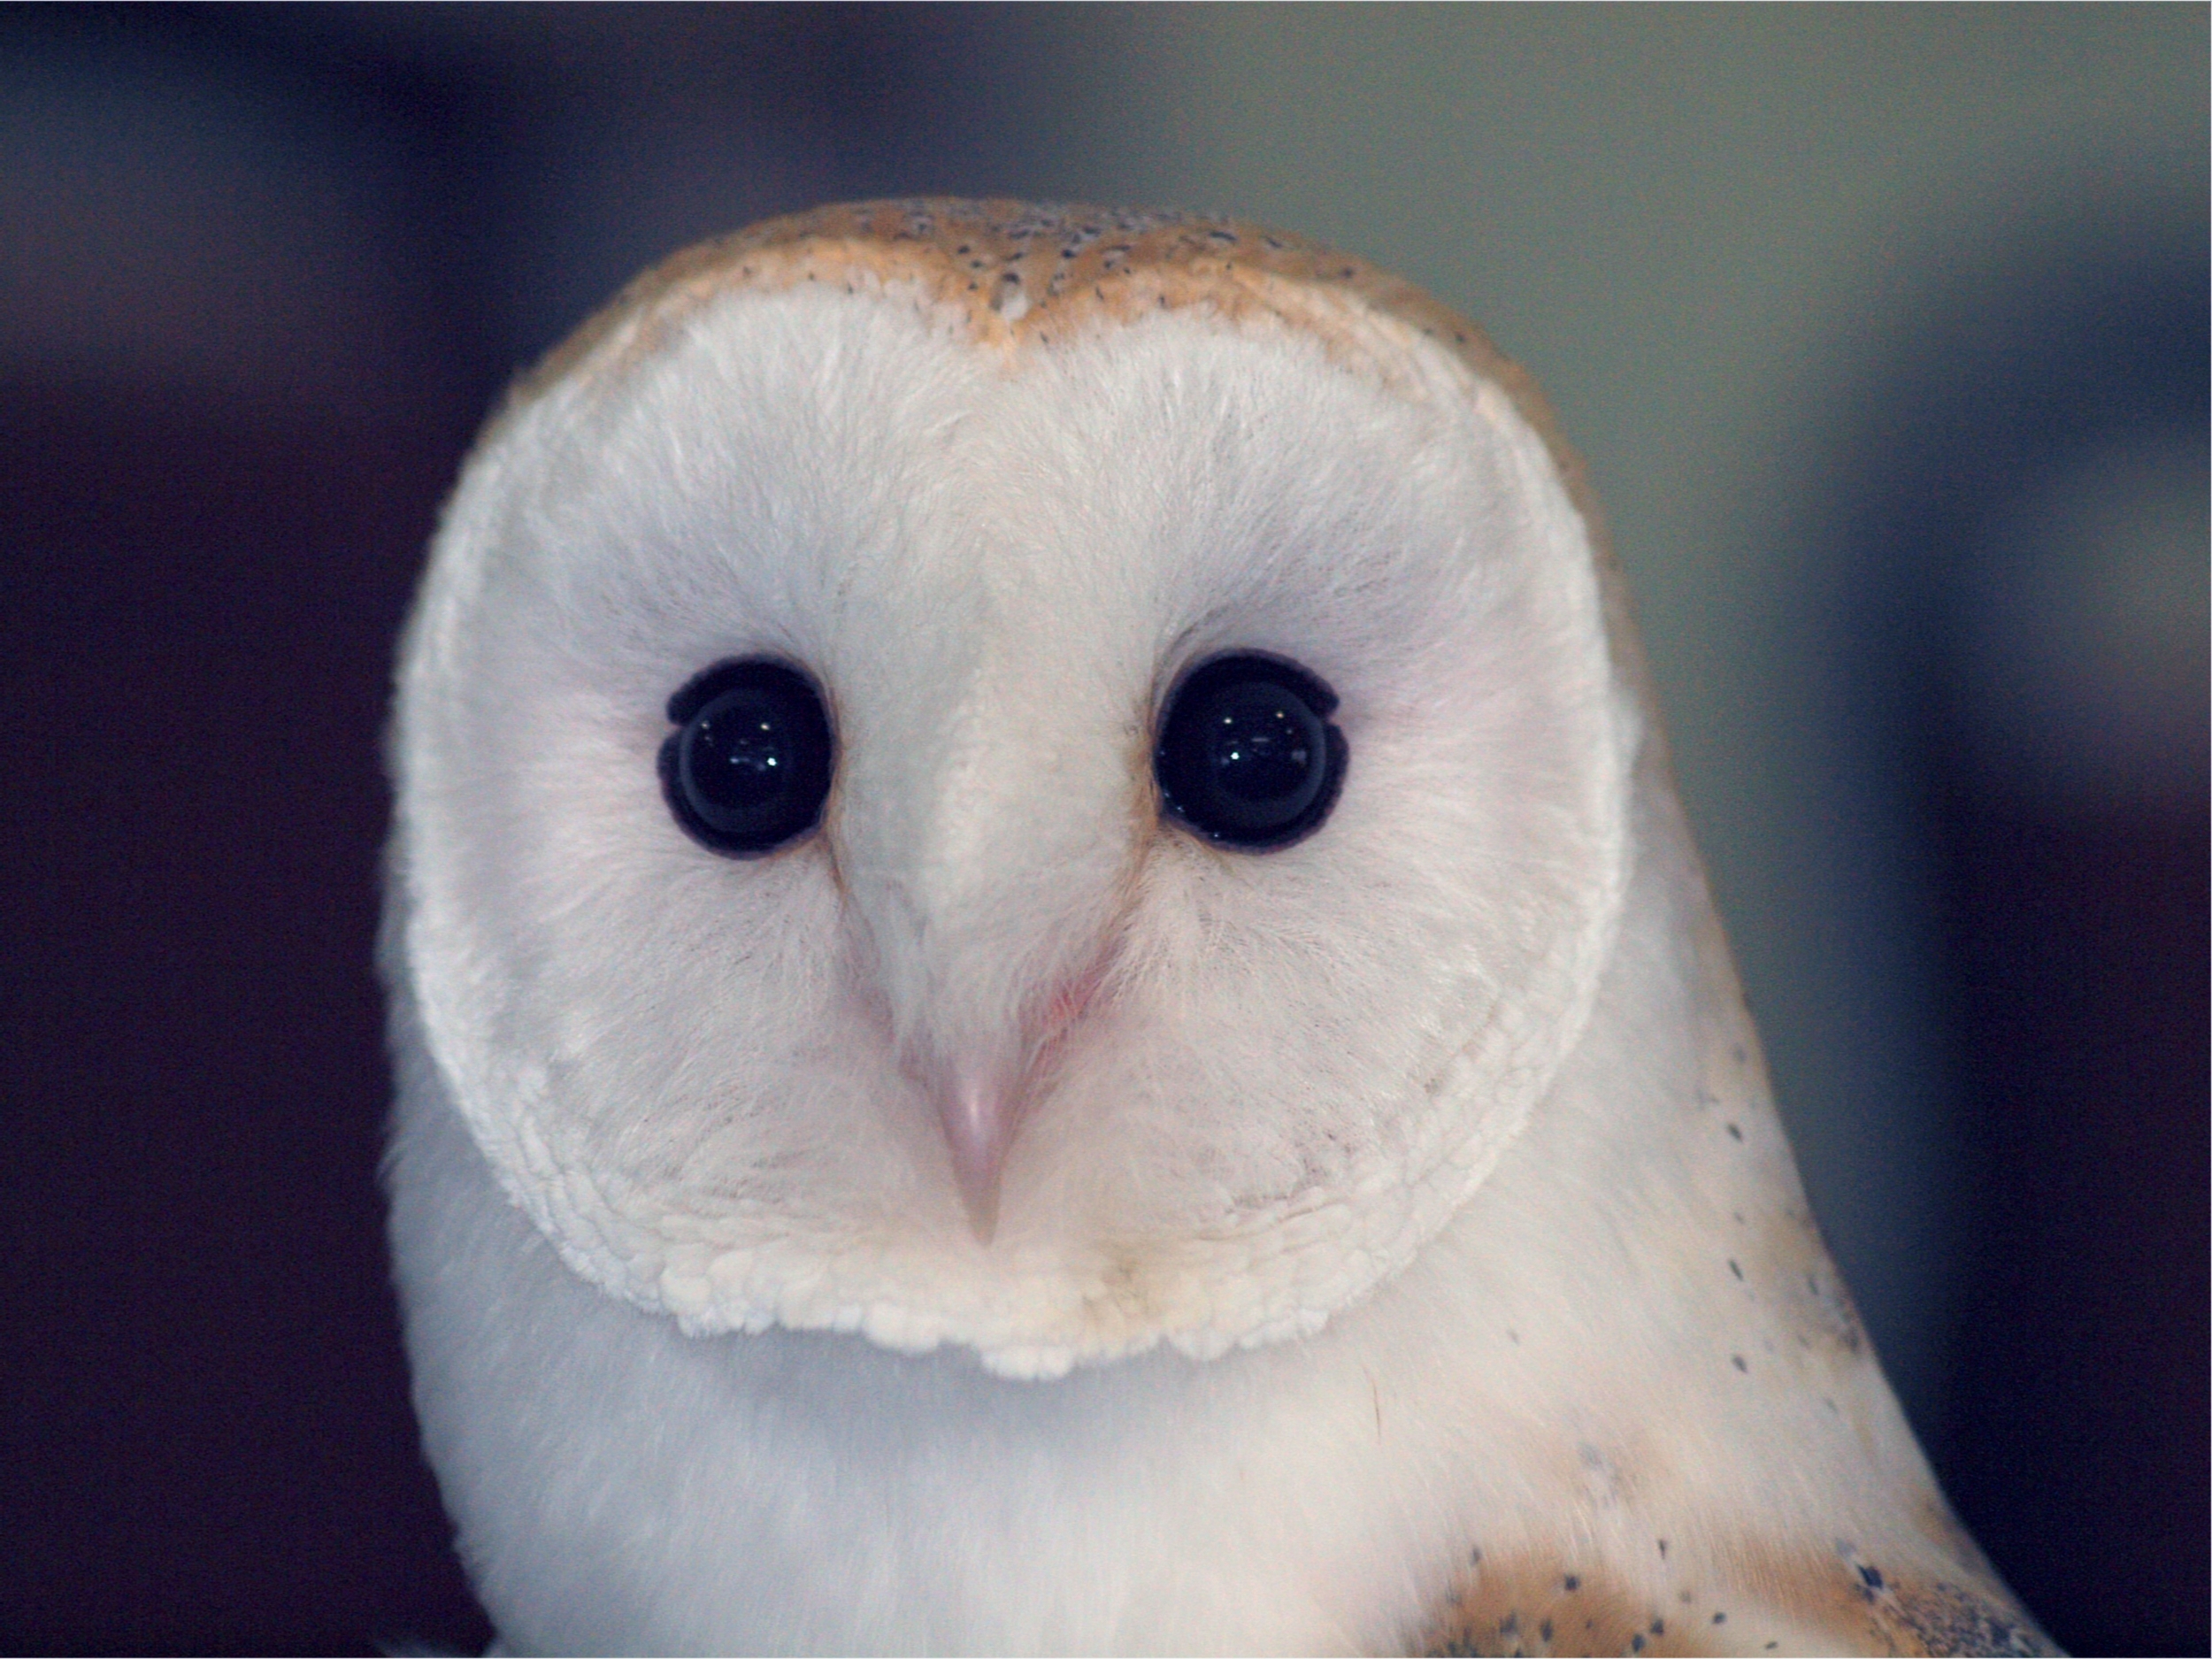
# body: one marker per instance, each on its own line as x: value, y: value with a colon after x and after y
x: 749, y: 766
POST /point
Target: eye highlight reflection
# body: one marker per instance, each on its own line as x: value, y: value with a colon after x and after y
x: 750, y: 767
x: 1246, y: 756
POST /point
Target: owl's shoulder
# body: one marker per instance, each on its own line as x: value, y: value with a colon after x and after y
x: 1747, y: 1599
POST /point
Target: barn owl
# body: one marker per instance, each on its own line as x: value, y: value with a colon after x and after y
x: 1050, y: 995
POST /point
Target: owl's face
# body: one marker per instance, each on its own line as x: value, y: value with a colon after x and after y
x: 1048, y: 826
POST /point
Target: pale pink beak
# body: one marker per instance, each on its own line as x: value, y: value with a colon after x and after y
x: 979, y: 1105
x: 981, y: 1100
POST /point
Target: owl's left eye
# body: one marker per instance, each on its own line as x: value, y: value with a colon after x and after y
x: 749, y: 766
x: 1247, y: 756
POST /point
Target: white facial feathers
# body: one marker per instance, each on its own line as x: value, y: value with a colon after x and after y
x: 1227, y: 1092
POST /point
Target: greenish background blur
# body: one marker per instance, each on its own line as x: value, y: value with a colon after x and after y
x: 1883, y: 330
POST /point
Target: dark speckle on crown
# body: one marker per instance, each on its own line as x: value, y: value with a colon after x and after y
x: 1047, y: 247
x: 1013, y: 267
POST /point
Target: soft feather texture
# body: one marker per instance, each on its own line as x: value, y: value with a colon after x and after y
x: 698, y: 1074
x: 1398, y: 1246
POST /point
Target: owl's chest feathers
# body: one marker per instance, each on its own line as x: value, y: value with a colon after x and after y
x: 620, y: 1484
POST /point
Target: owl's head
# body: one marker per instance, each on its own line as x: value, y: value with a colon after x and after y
x: 1045, y: 779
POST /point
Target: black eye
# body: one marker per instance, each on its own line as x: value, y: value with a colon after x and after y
x: 749, y: 767
x: 1247, y: 756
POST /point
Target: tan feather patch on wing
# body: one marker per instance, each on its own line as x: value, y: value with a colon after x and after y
x: 1749, y: 1597
x: 1532, y: 1606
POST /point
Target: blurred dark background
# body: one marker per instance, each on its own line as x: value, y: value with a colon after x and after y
x: 1884, y: 332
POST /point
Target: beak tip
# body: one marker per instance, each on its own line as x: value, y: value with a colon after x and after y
x: 982, y: 1208
x: 978, y: 1125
